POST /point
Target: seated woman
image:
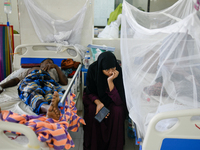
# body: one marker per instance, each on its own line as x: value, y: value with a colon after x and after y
x: 39, y: 89
x: 104, y: 88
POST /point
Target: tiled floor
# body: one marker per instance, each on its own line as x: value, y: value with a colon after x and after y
x: 78, y: 140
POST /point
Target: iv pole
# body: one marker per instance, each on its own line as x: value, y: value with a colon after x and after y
x: 10, y: 47
x: 148, y: 6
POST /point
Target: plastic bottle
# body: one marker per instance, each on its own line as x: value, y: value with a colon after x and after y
x: 7, y: 6
x: 87, y: 59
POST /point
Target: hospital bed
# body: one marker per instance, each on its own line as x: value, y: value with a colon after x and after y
x: 9, y: 99
x: 160, y: 59
x: 166, y: 129
x: 167, y: 119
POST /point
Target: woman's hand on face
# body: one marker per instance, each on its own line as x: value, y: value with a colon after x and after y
x: 113, y: 76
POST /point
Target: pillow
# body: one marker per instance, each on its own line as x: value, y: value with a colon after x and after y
x: 29, y: 65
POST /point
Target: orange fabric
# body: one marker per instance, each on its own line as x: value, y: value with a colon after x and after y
x: 76, y: 64
x: 53, y: 132
x: 69, y: 63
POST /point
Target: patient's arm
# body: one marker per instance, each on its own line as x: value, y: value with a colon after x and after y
x: 10, y: 83
x: 62, y: 78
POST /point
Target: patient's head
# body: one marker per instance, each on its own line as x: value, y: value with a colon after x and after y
x: 46, y: 62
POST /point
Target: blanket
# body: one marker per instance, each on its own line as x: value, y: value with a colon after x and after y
x: 53, y: 132
x: 37, y: 88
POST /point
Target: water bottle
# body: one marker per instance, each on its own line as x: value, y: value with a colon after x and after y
x: 87, y: 59
x: 7, y: 6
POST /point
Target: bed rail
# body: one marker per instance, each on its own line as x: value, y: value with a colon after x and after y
x: 185, y: 134
x: 67, y: 93
x: 40, y: 50
x: 6, y: 143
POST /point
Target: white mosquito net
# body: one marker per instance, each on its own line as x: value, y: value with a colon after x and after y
x: 160, y: 54
x: 52, y: 29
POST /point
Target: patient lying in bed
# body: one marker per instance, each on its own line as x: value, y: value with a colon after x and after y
x: 185, y: 81
x: 39, y: 89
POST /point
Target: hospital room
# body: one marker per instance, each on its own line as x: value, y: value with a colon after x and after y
x: 99, y: 74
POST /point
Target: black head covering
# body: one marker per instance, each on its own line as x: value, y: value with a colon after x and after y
x: 96, y: 80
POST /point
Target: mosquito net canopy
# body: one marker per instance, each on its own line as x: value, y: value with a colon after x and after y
x: 160, y: 54
x: 52, y: 29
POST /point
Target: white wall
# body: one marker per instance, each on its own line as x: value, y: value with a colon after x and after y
x: 140, y: 3
x: 156, y: 5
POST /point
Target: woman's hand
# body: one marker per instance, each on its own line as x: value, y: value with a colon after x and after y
x: 99, y: 105
x: 113, y: 76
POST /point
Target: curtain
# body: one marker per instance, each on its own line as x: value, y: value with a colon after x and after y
x: 5, y: 57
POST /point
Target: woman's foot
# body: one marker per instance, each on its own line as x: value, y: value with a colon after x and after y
x: 53, y: 111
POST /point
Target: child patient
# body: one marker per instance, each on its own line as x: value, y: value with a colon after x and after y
x: 39, y: 89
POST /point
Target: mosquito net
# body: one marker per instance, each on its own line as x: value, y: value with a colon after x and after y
x: 52, y: 29
x: 160, y: 54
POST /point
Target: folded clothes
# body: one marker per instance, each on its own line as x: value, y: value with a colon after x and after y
x: 69, y: 63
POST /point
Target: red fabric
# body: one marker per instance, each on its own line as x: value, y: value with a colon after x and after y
x: 29, y: 65
x: 71, y: 74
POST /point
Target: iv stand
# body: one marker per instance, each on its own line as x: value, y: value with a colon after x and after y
x: 10, y: 47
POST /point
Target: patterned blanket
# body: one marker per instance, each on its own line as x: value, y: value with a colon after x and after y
x: 37, y: 88
x: 53, y: 132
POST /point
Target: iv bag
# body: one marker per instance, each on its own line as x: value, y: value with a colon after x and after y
x: 7, y: 6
